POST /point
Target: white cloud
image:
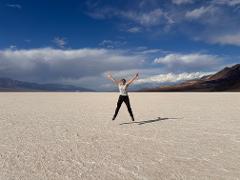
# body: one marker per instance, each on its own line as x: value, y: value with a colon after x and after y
x: 110, y: 44
x: 87, y: 67
x: 179, y: 2
x: 12, y: 46
x: 58, y: 65
x: 199, y: 12
x: 227, y: 2
x: 59, y: 42
x: 218, y: 24
x: 212, y: 19
x: 150, y: 18
x: 144, y: 18
x: 229, y: 39
x: 190, y: 62
x: 103, y: 13
x: 16, y: 6
x: 128, y: 73
x: 134, y: 29
x: 152, y: 51
x: 172, y: 77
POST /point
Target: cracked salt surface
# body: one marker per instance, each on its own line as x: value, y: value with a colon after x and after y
x: 71, y: 136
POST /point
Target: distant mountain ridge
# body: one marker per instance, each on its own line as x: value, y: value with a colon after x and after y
x: 7, y: 84
x: 228, y: 79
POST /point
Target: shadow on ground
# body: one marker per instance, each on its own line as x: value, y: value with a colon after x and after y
x: 149, y: 121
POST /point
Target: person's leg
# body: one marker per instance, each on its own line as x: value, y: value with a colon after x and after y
x: 119, y: 103
x: 127, y: 102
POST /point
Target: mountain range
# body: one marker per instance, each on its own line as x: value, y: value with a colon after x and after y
x: 7, y: 84
x: 228, y: 79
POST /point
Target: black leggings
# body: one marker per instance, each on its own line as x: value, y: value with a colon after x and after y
x: 124, y: 99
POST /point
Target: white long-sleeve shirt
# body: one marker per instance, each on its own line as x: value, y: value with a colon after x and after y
x: 123, y: 89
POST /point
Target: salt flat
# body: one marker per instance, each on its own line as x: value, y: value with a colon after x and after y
x: 71, y: 136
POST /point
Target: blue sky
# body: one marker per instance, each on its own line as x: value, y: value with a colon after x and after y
x: 78, y: 42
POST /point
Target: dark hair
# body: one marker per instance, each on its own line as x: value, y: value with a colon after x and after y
x: 124, y: 81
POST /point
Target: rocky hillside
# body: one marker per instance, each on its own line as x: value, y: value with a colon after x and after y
x: 227, y: 79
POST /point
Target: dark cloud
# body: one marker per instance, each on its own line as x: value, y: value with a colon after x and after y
x: 88, y: 67
x: 52, y: 65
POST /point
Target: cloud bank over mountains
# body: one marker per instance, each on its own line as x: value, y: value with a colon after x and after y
x: 188, y: 62
x: 88, y: 66
x: 172, y: 77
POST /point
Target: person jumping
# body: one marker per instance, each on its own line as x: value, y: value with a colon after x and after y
x: 123, y: 97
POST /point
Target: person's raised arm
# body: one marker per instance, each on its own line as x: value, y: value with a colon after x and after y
x: 109, y: 76
x: 133, y: 79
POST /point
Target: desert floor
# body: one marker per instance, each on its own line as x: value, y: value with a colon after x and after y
x: 71, y: 136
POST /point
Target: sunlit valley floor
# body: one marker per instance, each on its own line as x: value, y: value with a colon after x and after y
x: 71, y: 136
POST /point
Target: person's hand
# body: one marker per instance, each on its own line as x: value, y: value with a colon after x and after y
x: 137, y: 75
x: 109, y: 75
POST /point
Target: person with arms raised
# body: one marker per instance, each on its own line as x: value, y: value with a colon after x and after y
x: 123, y: 97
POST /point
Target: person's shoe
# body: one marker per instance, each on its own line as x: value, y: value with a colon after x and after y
x: 113, y: 118
x: 133, y: 119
